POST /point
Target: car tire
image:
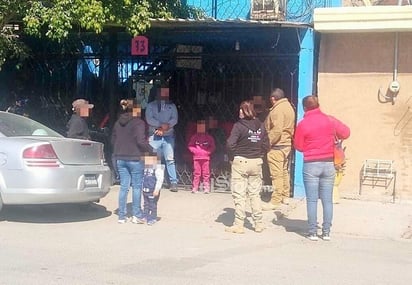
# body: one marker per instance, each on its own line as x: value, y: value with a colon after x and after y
x: 1, y: 203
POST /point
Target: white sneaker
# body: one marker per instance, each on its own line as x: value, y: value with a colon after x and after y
x: 136, y: 220
x: 326, y: 236
x: 312, y: 237
x: 122, y: 221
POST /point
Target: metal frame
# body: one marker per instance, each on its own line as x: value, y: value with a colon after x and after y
x: 378, y: 173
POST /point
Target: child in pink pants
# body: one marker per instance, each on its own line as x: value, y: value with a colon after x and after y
x: 201, y: 145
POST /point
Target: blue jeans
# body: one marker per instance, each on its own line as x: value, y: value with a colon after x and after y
x: 165, y: 147
x: 318, y: 179
x: 131, y: 174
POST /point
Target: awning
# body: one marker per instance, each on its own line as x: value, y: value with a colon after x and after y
x: 363, y: 19
x: 227, y: 24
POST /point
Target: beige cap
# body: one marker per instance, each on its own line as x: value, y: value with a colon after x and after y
x: 81, y: 103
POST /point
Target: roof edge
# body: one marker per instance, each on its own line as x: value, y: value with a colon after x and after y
x: 363, y: 19
x: 229, y: 23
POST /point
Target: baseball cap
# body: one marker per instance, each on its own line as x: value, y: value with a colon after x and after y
x: 82, y: 103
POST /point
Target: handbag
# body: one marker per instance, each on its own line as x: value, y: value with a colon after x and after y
x: 339, y: 158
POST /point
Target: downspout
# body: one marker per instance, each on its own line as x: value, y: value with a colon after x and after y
x: 395, y: 61
x: 394, y: 86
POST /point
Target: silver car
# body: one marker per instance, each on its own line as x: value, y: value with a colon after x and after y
x: 40, y: 166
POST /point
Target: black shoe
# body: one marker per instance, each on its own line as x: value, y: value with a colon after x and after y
x: 173, y: 187
x: 326, y: 236
x: 312, y: 237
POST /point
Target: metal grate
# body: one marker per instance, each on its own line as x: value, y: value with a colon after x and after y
x: 231, y: 65
x: 378, y: 173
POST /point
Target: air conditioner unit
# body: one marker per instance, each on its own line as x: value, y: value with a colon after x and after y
x: 269, y: 10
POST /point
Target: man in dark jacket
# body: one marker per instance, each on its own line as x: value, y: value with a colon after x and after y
x: 77, y: 126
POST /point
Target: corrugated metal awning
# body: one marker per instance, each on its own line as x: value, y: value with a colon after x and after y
x: 222, y: 24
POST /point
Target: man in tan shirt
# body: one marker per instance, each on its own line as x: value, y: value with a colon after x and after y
x: 280, y: 126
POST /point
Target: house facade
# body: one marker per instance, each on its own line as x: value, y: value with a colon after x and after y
x: 365, y: 79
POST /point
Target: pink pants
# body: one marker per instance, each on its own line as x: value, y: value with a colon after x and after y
x: 201, y: 168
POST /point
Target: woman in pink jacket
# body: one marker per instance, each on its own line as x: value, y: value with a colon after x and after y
x: 315, y: 137
x: 201, y: 145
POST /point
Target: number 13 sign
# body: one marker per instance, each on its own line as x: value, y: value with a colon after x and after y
x: 140, y: 45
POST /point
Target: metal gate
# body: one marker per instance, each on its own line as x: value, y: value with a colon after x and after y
x: 209, y: 68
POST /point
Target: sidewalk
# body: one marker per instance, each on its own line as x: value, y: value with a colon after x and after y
x: 356, y: 218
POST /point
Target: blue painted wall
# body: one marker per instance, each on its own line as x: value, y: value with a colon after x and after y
x: 305, y: 87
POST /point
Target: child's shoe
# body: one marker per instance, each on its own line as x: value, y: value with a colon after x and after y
x: 194, y: 191
x: 136, y: 220
x: 122, y: 221
x: 151, y: 222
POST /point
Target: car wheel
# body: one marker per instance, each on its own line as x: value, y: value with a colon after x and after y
x: 1, y: 203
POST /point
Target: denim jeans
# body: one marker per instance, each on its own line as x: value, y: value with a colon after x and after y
x: 131, y: 174
x: 165, y: 147
x: 318, y: 179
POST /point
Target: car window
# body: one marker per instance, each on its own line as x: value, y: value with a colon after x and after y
x: 12, y: 125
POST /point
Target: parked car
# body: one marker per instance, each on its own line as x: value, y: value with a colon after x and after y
x: 40, y: 166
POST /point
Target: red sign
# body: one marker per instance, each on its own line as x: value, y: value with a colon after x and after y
x: 140, y: 45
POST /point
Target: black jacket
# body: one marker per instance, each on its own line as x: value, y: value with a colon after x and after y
x: 77, y: 128
x: 128, y: 138
x: 248, y: 139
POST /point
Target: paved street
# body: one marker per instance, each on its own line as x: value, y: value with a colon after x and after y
x: 66, y: 244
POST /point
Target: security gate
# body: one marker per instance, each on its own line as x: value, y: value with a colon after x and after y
x: 209, y: 68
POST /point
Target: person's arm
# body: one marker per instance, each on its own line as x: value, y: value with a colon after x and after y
x: 299, y: 139
x: 113, y: 137
x: 75, y: 129
x: 151, y: 117
x: 192, y: 145
x: 160, y: 174
x: 233, y: 138
x: 265, y: 140
x: 342, y: 131
x: 174, y: 117
x: 140, y: 136
x: 274, y: 127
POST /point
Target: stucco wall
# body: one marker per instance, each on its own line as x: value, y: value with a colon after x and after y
x: 352, y: 68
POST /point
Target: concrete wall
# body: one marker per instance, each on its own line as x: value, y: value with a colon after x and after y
x: 352, y: 68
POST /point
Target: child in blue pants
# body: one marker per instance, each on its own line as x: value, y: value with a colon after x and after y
x: 152, y: 183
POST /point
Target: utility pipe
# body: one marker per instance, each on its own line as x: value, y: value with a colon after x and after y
x: 395, y: 62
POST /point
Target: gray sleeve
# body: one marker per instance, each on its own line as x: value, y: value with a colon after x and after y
x: 151, y: 117
x: 174, y: 117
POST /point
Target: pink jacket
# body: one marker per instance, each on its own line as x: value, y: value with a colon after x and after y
x: 201, y: 145
x: 315, y: 135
